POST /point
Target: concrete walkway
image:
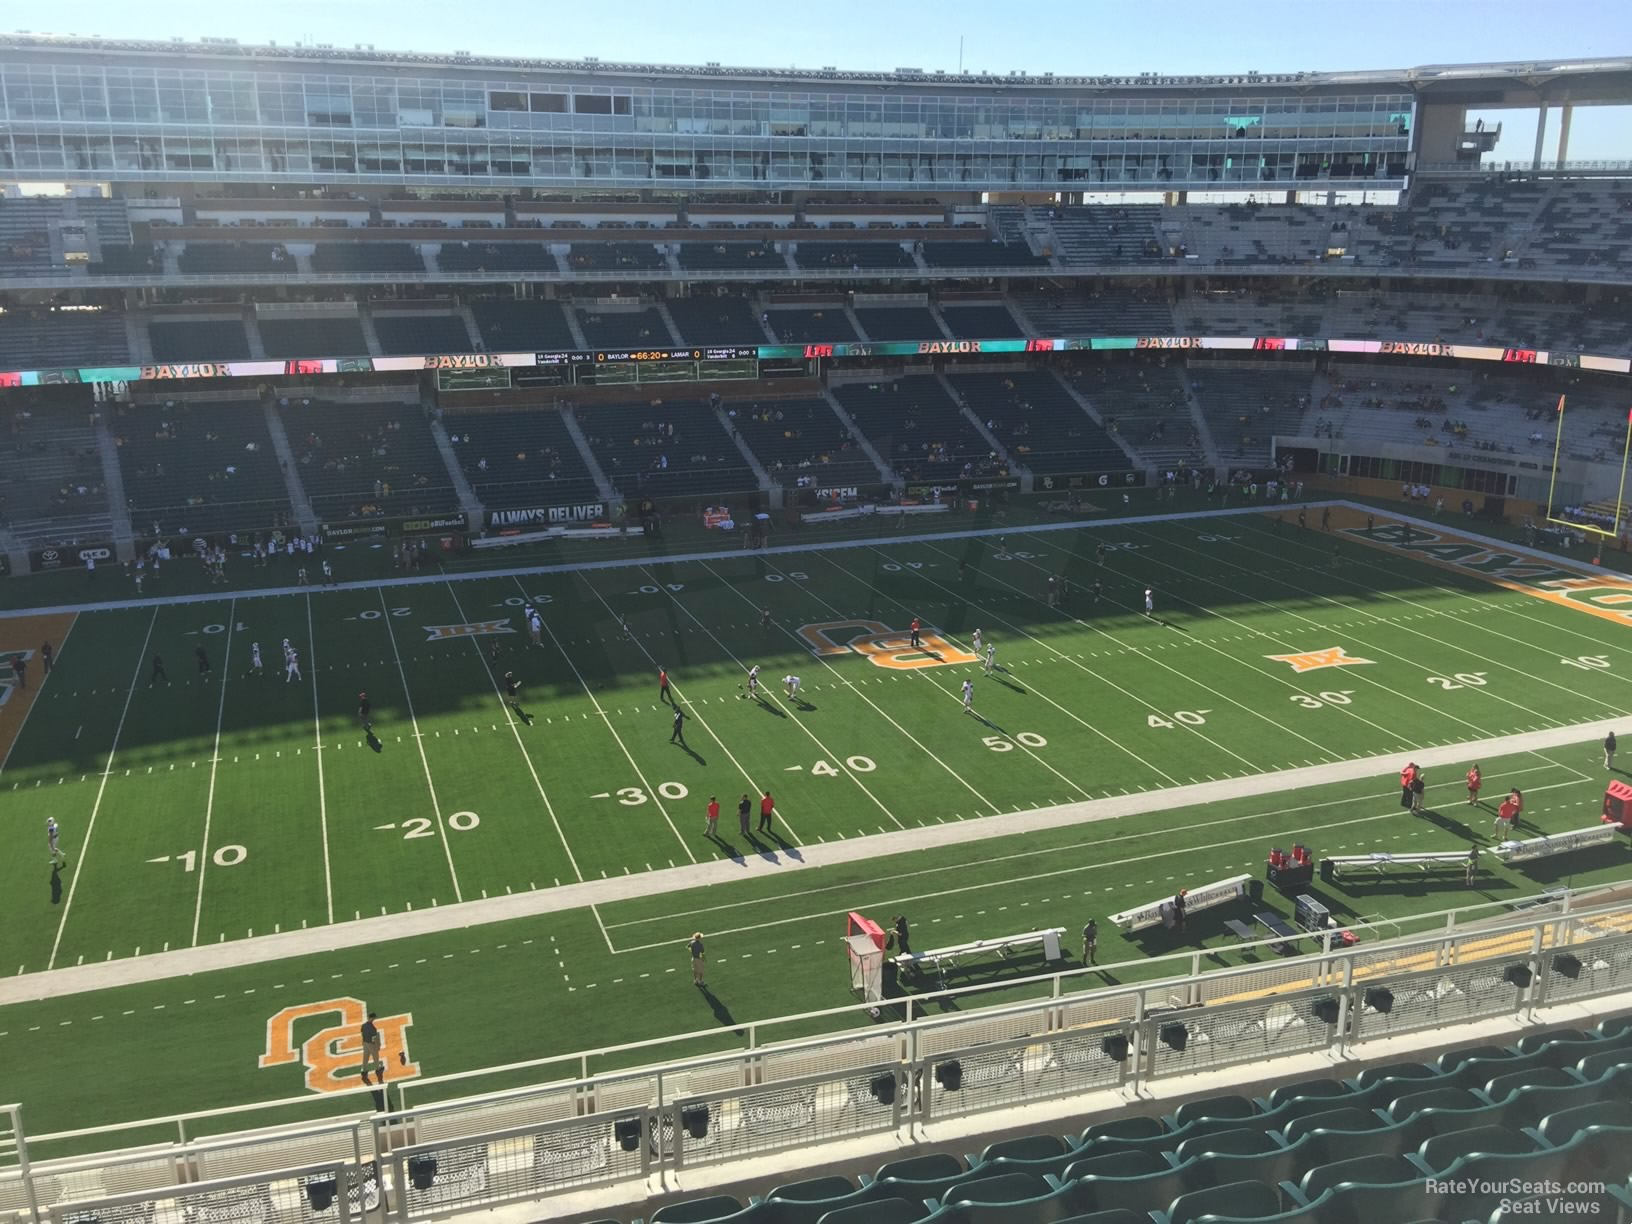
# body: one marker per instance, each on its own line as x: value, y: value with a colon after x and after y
x: 392, y: 927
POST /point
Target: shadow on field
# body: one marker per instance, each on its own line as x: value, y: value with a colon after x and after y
x: 56, y: 885
x: 722, y: 1013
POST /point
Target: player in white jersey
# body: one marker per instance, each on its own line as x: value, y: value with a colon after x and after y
x: 968, y: 696
x: 535, y: 626
x: 991, y: 657
x: 58, y: 858
x: 255, y: 659
x: 753, y: 681
x: 291, y: 666
x: 976, y: 640
x: 793, y: 685
x: 1150, y: 603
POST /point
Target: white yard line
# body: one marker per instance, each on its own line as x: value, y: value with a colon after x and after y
x: 1149, y: 658
x: 510, y: 718
x: 1489, y: 660
x: 215, y: 762
x: 317, y: 730
x: 419, y: 742
x: 651, y: 790
x: 1009, y: 826
x: 844, y: 680
x: 107, y: 772
x: 44, y: 680
x: 755, y: 787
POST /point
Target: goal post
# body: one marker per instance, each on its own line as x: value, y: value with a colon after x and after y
x: 1619, y: 515
x: 864, y: 948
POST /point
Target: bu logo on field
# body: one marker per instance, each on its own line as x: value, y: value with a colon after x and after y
x: 333, y: 1056
x: 886, y: 647
x: 1313, y: 660
x: 472, y: 630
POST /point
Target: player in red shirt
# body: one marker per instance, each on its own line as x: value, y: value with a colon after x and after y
x: 1475, y: 781
x: 713, y: 815
x: 767, y: 809
x: 1507, y: 819
x: 663, y: 686
x: 915, y: 627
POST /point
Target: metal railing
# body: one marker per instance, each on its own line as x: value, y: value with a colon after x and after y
x: 539, y: 1138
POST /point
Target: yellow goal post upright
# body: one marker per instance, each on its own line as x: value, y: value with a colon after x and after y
x: 1614, y: 529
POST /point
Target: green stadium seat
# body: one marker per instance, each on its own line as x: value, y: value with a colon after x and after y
x: 1146, y: 1193
x: 1001, y: 1188
x: 1403, y: 1071
x: 697, y: 1211
x: 779, y: 1211
x: 1246, y: 1141
x: 1026, y: 1147
x: 1041, y: 1167
x: 1593, y: 1066
x: 1137, y: 1163
x: 1528, y: 1106
x: 1534, y: 1041
x: 1051, y: 1208
x: 1452, y: 1059
x: 1394, y: 1203
x: 1222, y: 1168
x: 1503, y: 1086
x: 1212, y: 1107
x: 1562, y: 1127
x: 1375, y: 1170
x: 807, y: 1211
x: 1117, y: 1215
x: 1440, y: 1152
x: 833, y: 1186
x: 1615, y: 1026
x: 1477, y: 1072
x: 932, y: 1166
x: 879, y: 1211
x: 1304, y: 1089
x: 1402, y: 1107
x: 1134, y: 1126
x: 1247, y: 1200
x: 1348, y: 1120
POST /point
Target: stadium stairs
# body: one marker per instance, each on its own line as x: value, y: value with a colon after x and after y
x: 469, y: 504
x: 298, y: 501
x: 973, y: 418
x: 1298, y: 1139
x: 1135, y: 460
x: 113, y: 480
x: 885, y: 472
x: 569, y: 418
x: 668, y: 321
x: 766, y: 484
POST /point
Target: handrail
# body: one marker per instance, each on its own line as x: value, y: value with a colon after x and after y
x: 1454, y: 920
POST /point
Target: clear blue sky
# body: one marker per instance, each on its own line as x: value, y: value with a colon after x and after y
x: 1064, y: 36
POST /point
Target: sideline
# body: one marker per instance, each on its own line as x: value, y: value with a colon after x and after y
x: 181, y: 962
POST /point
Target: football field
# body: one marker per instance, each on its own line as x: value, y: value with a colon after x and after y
x: 207, y: 807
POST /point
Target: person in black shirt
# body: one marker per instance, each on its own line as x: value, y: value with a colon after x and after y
x: 512, y: 688
x: 371, y: 1048
x: 158, y: 671
x: 203, y: 660
x: 365, y: 711
x: 20, y: 670
x: 902, y: 934
x: 1609, y: 750
x: 46, y: 654
x: 678, y: 735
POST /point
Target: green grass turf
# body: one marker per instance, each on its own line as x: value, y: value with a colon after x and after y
x: 460, y: 801
x: 552, y: 986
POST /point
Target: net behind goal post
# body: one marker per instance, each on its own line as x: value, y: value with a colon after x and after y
x: 864, y: 946
x: 1617, y: 514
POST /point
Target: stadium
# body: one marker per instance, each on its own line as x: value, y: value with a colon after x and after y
x: 1141, y: 558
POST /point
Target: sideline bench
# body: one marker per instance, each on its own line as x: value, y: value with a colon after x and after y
x: 1196, y: 900
x: 941, y: 958
x: 1383, y: 862
x: 1558, y: 843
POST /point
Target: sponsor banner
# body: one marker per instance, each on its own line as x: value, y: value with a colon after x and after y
x: 474, y: 362
x: 433, y: 525
x: 990, y: 484
x: 353, y: 531
x: 544, y: 516
x: 69, y: 556
x: 1088, y: 480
